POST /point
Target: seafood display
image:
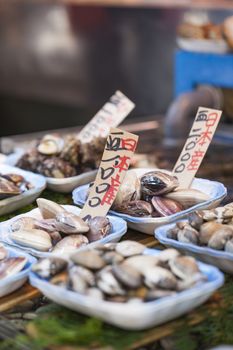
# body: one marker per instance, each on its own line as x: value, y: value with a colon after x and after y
x: 61, y: 157
x: 154, y: 194
x: 13, y: 185
x: 212, y: 228
x: 10, y: 266
x: 59, y: 231
x: 121, y: 273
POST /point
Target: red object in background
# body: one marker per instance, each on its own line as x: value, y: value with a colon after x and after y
x: 87, y: 19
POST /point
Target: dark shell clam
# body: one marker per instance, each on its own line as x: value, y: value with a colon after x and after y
x: 99, y: 227
x: 137, y: 208
x: 157, y: 182
x: 165, y: 206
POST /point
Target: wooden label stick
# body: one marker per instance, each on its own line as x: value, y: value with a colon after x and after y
x: 197, y: 143
x: 119, y: 149
x: 110, y: 115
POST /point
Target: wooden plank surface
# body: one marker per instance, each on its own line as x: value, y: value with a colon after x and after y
x: 27, y: 292
x: 18, y: 297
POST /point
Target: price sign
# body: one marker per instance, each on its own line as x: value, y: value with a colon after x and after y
x: 110, y: 115
x: 197, y: 143
x: 119, y: 149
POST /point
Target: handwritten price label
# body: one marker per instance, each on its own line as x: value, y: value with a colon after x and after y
x: 198, y: 141
x: 119, y: 149
x: 110, y: 115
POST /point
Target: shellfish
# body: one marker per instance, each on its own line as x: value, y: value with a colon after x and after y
x: 70, y: 223
x: 98, y: 227
x: 34, y: 238
x: 128, y: 191
x: 11, y: 266
x: 157, y: 182
x: 49, y: 209
x: 49, y: 267
x: 69, y: 244
x: 165, y: 206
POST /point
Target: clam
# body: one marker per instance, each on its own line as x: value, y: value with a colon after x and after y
x: 76, y: 282
x: 168, y: 254
x: 127, y: 275
x: 157, y: 182
x: 48, y: 225
x: 23, y: 223
x: 195, y: 219
x: 187, y: 197
x: 87, y: 275
x: 112, y: 257
x: 70, y: 223
x: 155, y: 294
x: 80, y: 279
x: 173, y: 232
x: 15, y: 178
x: 229, y: 246
x: 184, y: 267
x: 70, y: 244
x: 90, y: 259
x: 3, y: 252
x: 220, y: 237
x: 141, y: 262
x: 188, y: 235
x: 50, y: 145
x: 207, y: 230
x: 49, y: 209
x: 137, y: 208
x: 159, y: 277
x: 99, y: 227
x: 165, y: 206
x: 49, y: 267
x: 108, y: 283
x: 11, y: 266
x: 8, y: 188
x: 94, y: 293
x: 34, y: 238
x: 55, y: 237
x: 128, y: 191
x: 129, y: 248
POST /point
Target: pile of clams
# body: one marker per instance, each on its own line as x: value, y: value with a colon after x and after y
x: 60, y: 157
x: 10, y: 266
x: 155, y: 194
x: 212, y: 228
x: 12, y: 185
x: 119, y: 272
x: 59, y: 231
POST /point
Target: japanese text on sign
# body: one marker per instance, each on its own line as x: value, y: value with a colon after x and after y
x: 197, y: 143
x: 110, y: 115
x: 119, y: 149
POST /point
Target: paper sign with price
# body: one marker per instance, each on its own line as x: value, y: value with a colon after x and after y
x: 197, y: 143
x: 119, y: 149
x: 110, y: 115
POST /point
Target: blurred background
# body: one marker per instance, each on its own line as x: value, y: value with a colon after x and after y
x: 60, y: 61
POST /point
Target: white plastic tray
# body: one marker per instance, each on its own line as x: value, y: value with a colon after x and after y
x: 12, y: 283
x: 8, y: 205
x: 135, y: 316
x: 215, y: 190
x: 118, y: 230
x: 223, y: 260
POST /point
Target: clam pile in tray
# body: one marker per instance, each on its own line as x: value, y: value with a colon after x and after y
x: 154, y: 194
x: 119, y: 272
x: 13, y: 185
x: 10, y: 266
x: 60, y: 157
x: 59, y: 231
x: 212, y: 228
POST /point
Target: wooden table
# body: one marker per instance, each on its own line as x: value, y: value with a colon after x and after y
x: 220, y: 303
